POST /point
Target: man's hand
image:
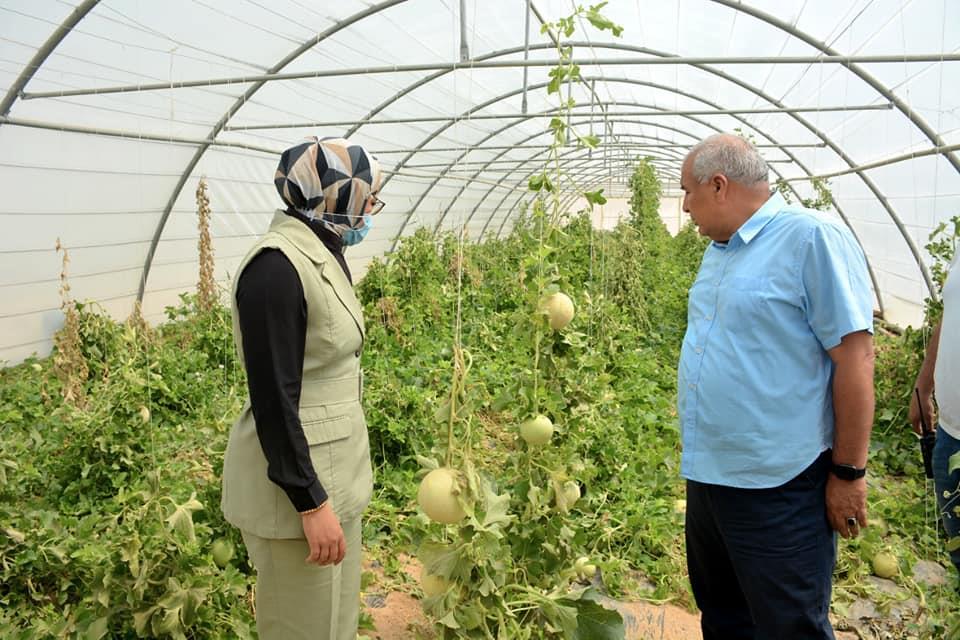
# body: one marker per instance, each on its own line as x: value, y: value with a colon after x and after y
x: 325, y: 537
x: 924, y: 385
x: 924, y: 408
x: 846, y: 499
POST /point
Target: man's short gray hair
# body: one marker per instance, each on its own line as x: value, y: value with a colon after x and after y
x: 730, y: 155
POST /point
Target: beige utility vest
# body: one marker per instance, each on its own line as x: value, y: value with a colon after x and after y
x: 330, y: 398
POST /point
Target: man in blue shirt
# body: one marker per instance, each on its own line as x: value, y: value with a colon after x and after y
x: 775, y: 396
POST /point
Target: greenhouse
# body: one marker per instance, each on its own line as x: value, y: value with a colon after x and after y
x: 527, y: 187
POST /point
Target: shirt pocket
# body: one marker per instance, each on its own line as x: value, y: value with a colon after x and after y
x: 743, y: 301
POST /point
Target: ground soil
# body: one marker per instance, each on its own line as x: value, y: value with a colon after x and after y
x: 397, y: 614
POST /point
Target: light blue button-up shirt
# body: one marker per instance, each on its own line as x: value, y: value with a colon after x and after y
x: 754, y: 394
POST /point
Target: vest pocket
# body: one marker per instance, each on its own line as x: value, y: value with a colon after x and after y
x: 323, y: 430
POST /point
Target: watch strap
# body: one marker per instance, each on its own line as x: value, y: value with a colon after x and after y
x: 847, y: 471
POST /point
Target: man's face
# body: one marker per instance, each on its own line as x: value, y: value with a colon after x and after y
x: 699, y: 202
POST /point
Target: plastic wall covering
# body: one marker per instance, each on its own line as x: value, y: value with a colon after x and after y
x: 105, y: 197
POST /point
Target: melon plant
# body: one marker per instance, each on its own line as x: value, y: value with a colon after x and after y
x: 885, y: 565
x: 222, y: 552
x: 438, y: 496
x: 559, y: 310
x: 571, y: 492
x: 434, y: 585
x: 537, y: 431
x: 584, y: 568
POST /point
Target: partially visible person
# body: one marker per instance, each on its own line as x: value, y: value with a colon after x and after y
x: 940, y: 372
x: 297, y: 473
x: 775, y: 396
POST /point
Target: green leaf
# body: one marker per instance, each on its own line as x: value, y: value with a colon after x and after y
x: 438, y: 559
x: 449, y: 621
x: 595, y: 622
x: 547, y: 184
x: 562, y: 615
x: 556, y: 78
x: 497, y: 507
x: 602, y: 22
x: 442, y: 414
x: 953, y: 463
x: 953, y: 544
x: 536, y: 182
x: 470, y: 616
x: 428, y: 463
x: 168, y: 623
x: 97, y: 629
x: 590, y: 141
x: 595, y: 197
x: 142, y: 618
x: 181, y: 520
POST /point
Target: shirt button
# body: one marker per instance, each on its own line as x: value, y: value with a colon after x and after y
x: 356, y: 353
x: 693, y: 386
x: 699, y: 349
x: 708, y: 317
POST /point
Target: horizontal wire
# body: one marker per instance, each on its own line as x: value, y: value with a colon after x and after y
x: 136, y: 267
x: 127, y: 243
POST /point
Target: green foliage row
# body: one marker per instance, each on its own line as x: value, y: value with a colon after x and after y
x: 109, y: 511
x: 108, y: 515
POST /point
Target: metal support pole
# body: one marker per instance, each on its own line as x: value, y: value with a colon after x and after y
x: 593, y: 91
x: 882, y: 163
x: 464, y: 49
x: 550, y: 113
x: 526, y: 56
x: 497, y: 64
x: 379, y: 152
x: 78, y: 14
x: 569, y: 110
x: 134, y: 135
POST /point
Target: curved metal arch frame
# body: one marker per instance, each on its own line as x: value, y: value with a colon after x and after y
x: 597, y: 118
x: 859, y: 71
x: 789, y: 153
x: 80, y: 12
x: 573, y: 193
x: 873, y: 278
x: 516, y: 202
x: 659, y: 125
x: 674, y: 156
x: 240, y: 101
x: 627, y: 81
x: 757, y: 92
x: 504, y: 96
x: 567, y: 160
x: 500, y: 203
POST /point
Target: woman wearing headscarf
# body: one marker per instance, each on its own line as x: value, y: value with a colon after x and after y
x: 297, y: 472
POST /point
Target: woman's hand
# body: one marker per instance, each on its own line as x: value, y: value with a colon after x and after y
x: 324, y: 536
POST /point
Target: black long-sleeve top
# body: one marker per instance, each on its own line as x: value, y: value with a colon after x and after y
x: 272, y: 314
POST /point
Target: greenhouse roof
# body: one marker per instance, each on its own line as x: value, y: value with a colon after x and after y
x: 111, y: 112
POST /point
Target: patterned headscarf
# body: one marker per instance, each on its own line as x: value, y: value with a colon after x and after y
x: 329, y: 180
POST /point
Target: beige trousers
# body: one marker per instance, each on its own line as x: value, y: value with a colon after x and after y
x: 299, y: 601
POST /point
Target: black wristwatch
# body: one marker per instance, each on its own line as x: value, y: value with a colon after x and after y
x: 847, y: 471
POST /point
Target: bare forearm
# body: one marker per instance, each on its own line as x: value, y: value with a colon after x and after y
x: 853, y: 406
x: 925, y: 377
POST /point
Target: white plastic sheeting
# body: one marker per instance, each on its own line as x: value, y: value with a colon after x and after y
x: 129, y: 177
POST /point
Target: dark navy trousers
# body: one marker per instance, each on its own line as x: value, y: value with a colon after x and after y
x: 761, y: 560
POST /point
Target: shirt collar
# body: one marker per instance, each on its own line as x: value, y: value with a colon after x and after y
x: 767, y: 212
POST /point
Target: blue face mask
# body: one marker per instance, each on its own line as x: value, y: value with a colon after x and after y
x: 355, y: 236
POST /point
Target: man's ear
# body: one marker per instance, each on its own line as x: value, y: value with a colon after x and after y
x: 719, y: 183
